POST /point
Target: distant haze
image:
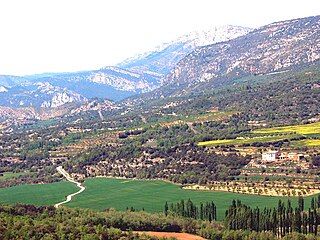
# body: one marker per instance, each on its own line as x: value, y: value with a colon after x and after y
x: 58, y: 36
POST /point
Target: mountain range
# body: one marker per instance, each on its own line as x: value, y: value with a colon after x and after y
x: 140, y: 74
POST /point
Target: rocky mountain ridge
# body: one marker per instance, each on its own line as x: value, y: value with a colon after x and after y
x: 39, y: 94
x: 107, y: 82
x: 10, y: 116
x: 272, y: 48
x: 164, y: 57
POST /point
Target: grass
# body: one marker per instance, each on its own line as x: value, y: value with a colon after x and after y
x: 37, y: 194
x: 312, y: 128
x: 102, y: 193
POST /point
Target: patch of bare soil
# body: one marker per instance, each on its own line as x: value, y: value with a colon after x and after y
x: 179, y: 236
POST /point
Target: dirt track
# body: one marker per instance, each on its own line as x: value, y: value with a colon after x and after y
x: 70, y: 179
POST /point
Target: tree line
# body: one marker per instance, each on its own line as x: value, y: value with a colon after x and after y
x: 207, y: 211
x: 46, y: 222
x: 281, y: 220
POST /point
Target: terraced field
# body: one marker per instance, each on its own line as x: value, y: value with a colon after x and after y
x: 306, y: 143
x: 310, y: 131
x: 312, y: 128
x: 248, y: 140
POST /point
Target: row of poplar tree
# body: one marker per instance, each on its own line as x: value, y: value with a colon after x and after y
x: 206, y: 211
x: 280, y: 220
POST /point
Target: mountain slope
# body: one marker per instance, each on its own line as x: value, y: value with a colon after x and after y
x: 109, y: 82
x: 162, y: 59
x: 271, y: 48
x: 54, y: 89
x: 94, y: 109
x: 40, y: 94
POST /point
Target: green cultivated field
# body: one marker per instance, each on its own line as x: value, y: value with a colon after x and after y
x: 37, y: 194
x: 102, y: 193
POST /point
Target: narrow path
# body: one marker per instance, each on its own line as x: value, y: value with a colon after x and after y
x: 70, y: 179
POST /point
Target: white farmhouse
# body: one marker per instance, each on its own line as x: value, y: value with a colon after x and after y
x: 270, y: 156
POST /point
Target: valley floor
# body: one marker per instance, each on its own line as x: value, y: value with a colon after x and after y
x: 122, y: 194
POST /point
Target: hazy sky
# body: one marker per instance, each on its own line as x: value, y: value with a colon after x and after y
x: 72, y: 35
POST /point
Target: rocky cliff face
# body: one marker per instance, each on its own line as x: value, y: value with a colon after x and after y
x: 124, y: 80
x: 27, y: 115
x: 272, y: 48
x: 40, y: 94
x: 10, y: 116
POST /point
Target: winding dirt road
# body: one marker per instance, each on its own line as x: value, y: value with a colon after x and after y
x: 70, y: 179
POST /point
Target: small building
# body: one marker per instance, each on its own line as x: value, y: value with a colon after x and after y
x: 270, y: 156
x: 291, y: 156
